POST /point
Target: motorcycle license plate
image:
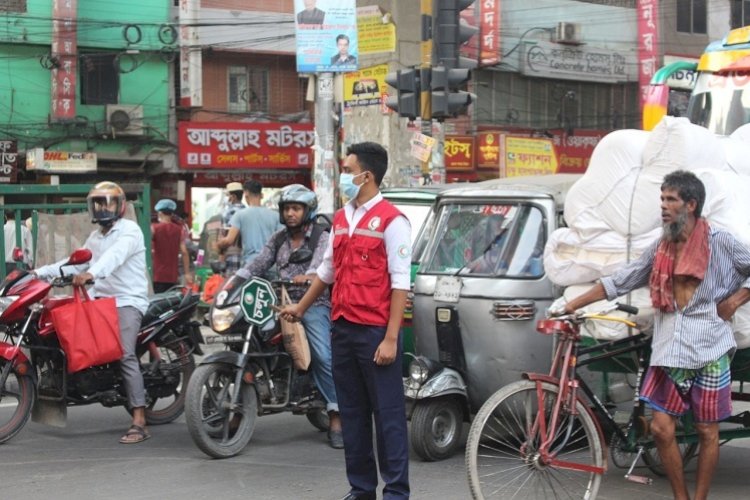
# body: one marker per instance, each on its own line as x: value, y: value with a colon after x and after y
x: 225, y: 339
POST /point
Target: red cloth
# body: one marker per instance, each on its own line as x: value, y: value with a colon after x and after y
x: 362, y: 292
x: 165, y: 240
x: 693, y: 263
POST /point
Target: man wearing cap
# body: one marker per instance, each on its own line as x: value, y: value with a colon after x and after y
x: 167, y: 244
x: 232, y: 255
x: 254, y: 224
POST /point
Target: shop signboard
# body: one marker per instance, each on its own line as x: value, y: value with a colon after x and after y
x: 239, y: 145
x: 458, y: 152
x: 8, y: 161
x: 527, y: 156
x: 60, y: 162
x: 488, y: 150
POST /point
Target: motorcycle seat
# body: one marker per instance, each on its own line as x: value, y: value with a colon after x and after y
x: 160, y: 303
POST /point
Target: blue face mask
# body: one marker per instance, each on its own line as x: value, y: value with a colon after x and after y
x: 347, y: 186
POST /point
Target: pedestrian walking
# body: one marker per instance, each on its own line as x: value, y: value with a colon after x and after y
x: 368, y: 259
x: 167, y: 247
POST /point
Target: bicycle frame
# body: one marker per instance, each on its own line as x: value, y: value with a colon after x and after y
x: 563, y: 374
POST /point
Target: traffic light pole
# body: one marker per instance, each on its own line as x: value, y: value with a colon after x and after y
x: 425, y: 95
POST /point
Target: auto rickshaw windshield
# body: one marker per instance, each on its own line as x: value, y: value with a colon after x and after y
x: 491, y: 240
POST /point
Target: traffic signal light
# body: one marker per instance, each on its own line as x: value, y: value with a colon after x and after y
x: 445, y: 94
x: 450, y: 33
x: 407, y: 98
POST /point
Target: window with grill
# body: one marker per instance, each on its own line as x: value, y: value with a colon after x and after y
x: 12, y: 5
x: 100, y: 81
x: 247, y: 89
x: 692, y: 16
x: 740, y: 13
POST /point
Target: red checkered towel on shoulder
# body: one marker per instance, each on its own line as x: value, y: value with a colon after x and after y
x: 693, y: 263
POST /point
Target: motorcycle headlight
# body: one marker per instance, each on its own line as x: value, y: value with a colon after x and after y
x: 5, y: 302
x: 222, y: 319
x: 419, y: 371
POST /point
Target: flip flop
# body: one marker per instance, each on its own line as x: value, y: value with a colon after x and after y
x: 135, y: 430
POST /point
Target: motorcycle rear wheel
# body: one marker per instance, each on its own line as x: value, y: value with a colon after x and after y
x: 163, y: 410
x: 17, y: 398
x: 217, y: 431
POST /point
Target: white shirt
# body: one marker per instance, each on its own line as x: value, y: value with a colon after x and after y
x: 397, y: 238
x: 118, y: 265
x: 10, y: 241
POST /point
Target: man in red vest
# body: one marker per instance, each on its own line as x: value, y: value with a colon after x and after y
x: 368, y: 258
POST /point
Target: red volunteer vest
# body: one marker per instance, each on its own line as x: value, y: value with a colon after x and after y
x: 362, y: 291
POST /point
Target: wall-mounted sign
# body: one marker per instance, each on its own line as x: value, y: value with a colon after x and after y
x: 458, y: 152
x: 225, y: 145
x: 60, y: 162
x: 8, y: 161
x: 648, y: 44
x: 376, y: 33
x: 583, y: 63
x: 366, y: 86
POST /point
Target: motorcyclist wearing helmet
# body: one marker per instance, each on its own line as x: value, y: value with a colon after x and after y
x: 167, y: 243
x: 290, y: 249
x: 117, y: 269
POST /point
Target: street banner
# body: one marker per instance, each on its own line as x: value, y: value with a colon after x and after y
x: 458, y: 152
x: 63, y: 60
x: 376, y: 33
x: 489, y: 32
x: 365, y: 87
x: 488, y: 150
x: 648, y: 44
x: 226, y: 145
x: 269, y: 178
x: 326, y: 32
x: 528, y: 156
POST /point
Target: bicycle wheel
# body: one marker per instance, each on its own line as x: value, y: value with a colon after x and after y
x: 502, y: 456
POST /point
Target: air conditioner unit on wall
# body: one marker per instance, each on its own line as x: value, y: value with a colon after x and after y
x: 124, y: 119
x: 569, y: 33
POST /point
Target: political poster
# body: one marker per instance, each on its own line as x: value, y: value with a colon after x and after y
x: 326, y: 32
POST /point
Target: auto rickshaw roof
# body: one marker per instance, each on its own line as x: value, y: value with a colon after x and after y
x: 416, y: 194
x: 543, y: 186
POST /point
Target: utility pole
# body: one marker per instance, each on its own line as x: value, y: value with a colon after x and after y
x: 324, y: 168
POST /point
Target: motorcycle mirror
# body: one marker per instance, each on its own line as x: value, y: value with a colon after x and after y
x: 17, y: 254
x: 79, y: 256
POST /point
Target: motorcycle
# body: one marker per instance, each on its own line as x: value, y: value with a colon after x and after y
x: 34, y: 381
x: 252, y: 376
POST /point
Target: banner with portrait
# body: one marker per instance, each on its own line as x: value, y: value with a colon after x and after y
x: 326, y: 32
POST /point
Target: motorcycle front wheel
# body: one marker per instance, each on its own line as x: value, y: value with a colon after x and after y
x: 17, y: 397
x: 219, y: 430
x: 166, y: 401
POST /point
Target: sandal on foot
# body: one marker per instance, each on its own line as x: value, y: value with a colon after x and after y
x: 135, y: 434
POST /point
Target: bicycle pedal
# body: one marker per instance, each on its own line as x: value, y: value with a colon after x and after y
x: 638, y: 479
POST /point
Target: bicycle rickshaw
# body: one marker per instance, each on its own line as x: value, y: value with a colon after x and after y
x: 541, y: 437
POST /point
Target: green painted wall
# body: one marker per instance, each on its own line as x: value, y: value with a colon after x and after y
x: 25, y: 84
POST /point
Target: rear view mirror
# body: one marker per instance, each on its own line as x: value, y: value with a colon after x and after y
x: 80, y: 256
x: 17, y: 255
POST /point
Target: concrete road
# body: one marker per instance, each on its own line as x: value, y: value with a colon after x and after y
x: 286, y: 459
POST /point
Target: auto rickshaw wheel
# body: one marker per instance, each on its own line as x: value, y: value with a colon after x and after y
x: 436, y: 428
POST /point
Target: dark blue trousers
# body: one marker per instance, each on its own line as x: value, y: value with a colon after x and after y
x: 366, y: 390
